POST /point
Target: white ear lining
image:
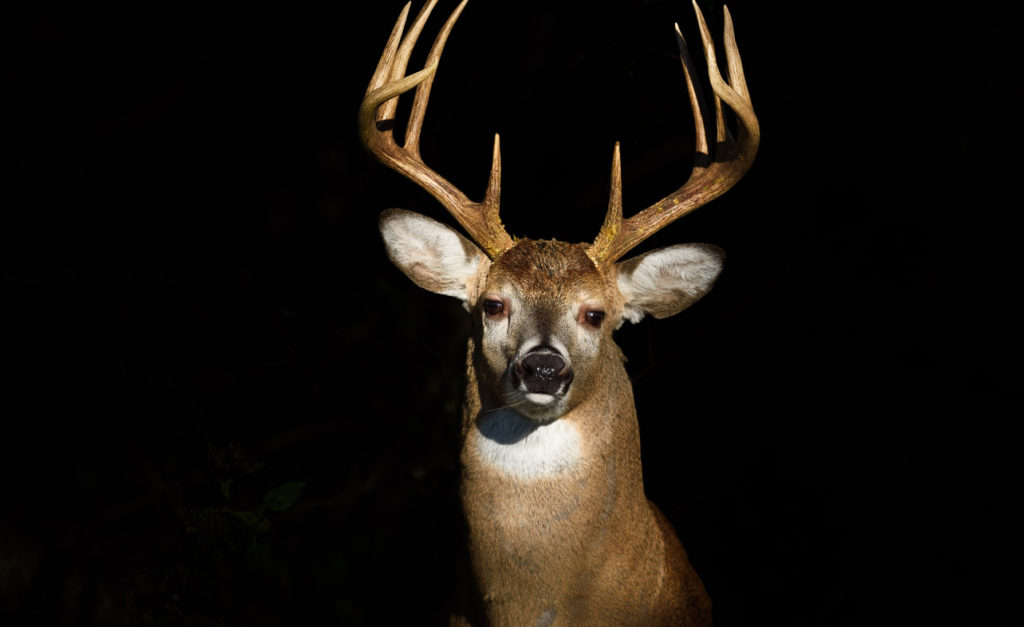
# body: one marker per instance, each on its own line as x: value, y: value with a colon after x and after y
x: 433, y: 255
x: 664, y: 282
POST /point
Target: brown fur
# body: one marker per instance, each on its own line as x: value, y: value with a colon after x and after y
x: 584, y: 547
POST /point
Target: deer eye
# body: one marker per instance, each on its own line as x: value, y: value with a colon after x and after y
x: 493, y: 307
x: 594, y: 317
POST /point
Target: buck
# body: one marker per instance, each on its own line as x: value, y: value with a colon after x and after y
x: 560, y: 530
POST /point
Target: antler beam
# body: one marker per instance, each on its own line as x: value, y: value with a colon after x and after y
x: 711, y: 176
x: 376, y: 122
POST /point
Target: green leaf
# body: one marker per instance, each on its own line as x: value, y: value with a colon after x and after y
x: 283, y: 496
x: 225, y: 489
x: 253, y: 520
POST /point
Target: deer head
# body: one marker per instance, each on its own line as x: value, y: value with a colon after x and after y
x: 546, y: 309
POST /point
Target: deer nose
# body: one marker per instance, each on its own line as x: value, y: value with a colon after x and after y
x: 544, y: 371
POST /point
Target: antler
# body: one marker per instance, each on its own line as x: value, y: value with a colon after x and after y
x: 376, y: 122
x: 712, y: 175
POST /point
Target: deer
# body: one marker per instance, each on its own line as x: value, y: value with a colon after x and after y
x: 560, y: 531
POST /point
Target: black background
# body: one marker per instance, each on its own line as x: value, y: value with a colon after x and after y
x: 197, y: 309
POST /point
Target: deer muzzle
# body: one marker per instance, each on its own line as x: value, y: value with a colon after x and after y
x: 543, y: 370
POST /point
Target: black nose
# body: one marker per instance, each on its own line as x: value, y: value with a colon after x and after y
x: 544, y: 371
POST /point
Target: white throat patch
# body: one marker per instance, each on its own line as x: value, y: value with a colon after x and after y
x: 519, y: 447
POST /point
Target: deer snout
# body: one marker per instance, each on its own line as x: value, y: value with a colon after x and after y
x: 543, y: 370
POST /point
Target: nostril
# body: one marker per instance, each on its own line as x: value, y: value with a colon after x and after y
x: 543, y: 370
x: 543, y: 366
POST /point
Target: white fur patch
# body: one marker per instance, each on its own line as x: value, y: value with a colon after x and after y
x: 533, y: 342
x: 541, y: 399
x: 519, y: 447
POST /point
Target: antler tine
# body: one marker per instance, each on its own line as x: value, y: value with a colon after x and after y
x: 712, y: 174
x: 696, y: 98
x: 721, y: 131
x: 377, y: 113
x: 613, y: 219
x: 419, y: 105
x: 400, y: 58
x: 382, y: 73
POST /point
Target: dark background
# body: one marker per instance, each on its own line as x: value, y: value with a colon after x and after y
x: 223, y: 406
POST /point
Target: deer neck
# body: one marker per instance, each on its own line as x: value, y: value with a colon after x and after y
x: 543, y: 503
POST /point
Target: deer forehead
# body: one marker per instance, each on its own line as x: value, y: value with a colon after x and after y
x: 548, y: 271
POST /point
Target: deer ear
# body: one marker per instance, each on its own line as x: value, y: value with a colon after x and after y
x: 433, y: 255
x: 666, y: 281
